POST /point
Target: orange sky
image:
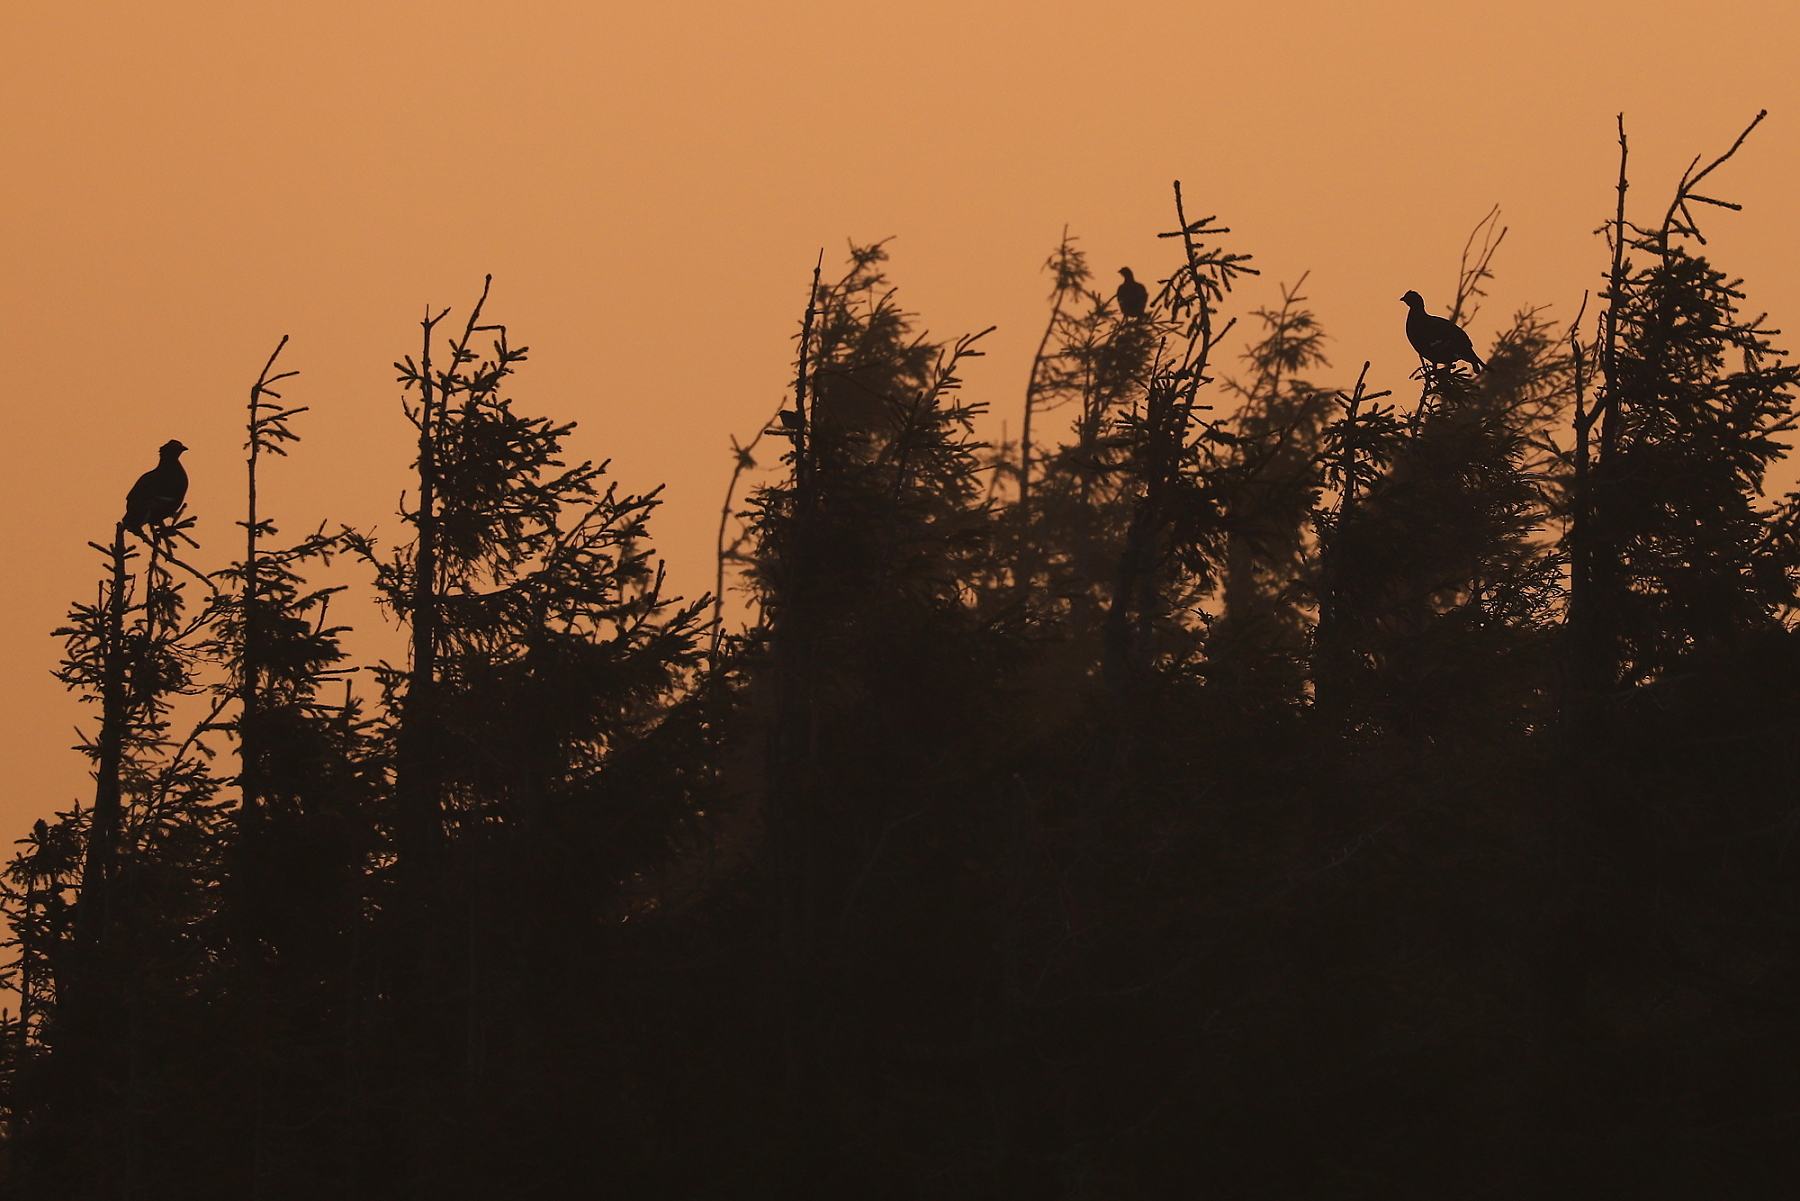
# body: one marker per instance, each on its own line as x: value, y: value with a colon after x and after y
x: 649, y: 183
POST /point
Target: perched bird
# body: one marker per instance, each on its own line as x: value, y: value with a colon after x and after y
x: 1132, y: 296
x: 158, y: 494
x: 1437, y: 339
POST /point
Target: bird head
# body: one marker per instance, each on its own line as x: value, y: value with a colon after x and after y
x: 171, y: 449
x: 1414, y: 300
x: 1126, y: 272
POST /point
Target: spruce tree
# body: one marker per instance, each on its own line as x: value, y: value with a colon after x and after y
x: 874, y: 651
x: 1678, y: 708
x: 301, y: 841
x: 542, y: 759
x: 1673, y: 546
x: 114, y: 949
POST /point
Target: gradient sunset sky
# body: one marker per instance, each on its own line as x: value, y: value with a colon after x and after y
x: 649, y: 184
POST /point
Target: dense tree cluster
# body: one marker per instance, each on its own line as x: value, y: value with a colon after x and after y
x: 1265, y: 790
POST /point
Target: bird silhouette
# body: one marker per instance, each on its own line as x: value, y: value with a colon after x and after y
x: 1132, y: 296
x: 1437, y: 339
x: 158, y: 494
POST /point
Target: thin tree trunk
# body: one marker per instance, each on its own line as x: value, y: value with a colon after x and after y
x: 93, y: 916
x: 412, y: 785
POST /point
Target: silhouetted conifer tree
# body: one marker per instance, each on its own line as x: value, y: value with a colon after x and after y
x: 302, y: 841
x: 545, y: 771
x: 1259, y: 641
x: 872, y: 694
x: 1679, y: 718
x: 1176, y: 528
x: 1677, y: 551
x: 1055, y: 549
x: 1436, y: 563
x: 106, y: 1040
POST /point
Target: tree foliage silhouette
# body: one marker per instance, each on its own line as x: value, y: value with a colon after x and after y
x: 1259, y: 786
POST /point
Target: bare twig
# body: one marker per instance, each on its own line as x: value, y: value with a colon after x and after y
x: 1469, y: 277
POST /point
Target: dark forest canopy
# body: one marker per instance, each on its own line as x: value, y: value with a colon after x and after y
x: 1242, y: 785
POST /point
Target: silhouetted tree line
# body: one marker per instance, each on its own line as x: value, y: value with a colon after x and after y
x: 1265, y: 790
